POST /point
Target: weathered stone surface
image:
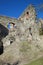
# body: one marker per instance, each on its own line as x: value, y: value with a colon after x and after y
x: 23, y: 42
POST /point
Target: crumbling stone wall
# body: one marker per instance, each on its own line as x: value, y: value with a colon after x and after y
x: 23, y: 38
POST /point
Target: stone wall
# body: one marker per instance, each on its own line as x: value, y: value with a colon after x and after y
x: 23, y: 40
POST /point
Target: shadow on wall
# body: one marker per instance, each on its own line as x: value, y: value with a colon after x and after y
x: 3, y: 31
x: 41, y: 30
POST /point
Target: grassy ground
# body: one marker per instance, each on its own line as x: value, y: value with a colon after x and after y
x: 37, y: 62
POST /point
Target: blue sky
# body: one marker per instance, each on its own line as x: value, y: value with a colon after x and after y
x: 14, y: 8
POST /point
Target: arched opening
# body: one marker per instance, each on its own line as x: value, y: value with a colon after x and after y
x: 27, y: 15
x: 30, y: 31
x: 1, y: 47
x: 11, y: 26
x: 3, y: 33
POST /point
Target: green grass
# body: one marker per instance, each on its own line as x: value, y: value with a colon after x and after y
x: 37, y: 62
